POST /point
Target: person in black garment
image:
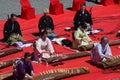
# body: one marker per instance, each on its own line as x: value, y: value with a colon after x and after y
x: 12, y: 30
x: 46, y: 24
x: 83, y: 16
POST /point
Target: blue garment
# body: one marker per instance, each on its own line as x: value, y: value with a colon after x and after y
x: 22, y: 68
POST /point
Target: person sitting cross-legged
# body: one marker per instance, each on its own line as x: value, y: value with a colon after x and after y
x: 12, y: 32
x: 83, y: 16
x: 43, y: 47
x: 46, y: 23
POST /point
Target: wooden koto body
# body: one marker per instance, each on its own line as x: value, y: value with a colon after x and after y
x: 9, y: 51
x: 62, y: 57
x: 7, y: 63
x: 115, y: 61
x: 53, y: 74
x: 111, y: 43
x: 58, y: 74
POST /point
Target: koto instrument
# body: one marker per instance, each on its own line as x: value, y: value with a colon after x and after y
x: 52, y: 74
x: 62, y: 57
x: 9, y: 51
x: 61, y: 73
x: 111, y: 43
x: 7, y: 63
x: 6, y: 75
x: 14, y: 50
x: 115, y: 61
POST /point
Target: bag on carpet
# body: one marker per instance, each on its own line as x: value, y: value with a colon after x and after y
x: 67, y: 43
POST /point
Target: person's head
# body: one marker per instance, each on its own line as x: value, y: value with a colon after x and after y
x: 104, y: 40
x: 13, y: 17
x: 46, y: 11
x: 83, y: 6
x: 118, y: 34
x: 83, y: 26
x: 27, y: 56
x: 44, y: 35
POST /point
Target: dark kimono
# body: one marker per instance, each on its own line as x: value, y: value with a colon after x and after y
x: 21, y: 69
x: 82, y: 17
x: 10, y: 28
x: 45, y: 22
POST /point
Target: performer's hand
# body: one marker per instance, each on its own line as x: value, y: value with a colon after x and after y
x: 52, y: 53
x: 84, y: 39
x: 28, y: 77
x: 109, y: 58
x: 42, y: 30
x: 91, y: 42
x: 31, y: 78
x: 33, y: 74
x: 17, y: 35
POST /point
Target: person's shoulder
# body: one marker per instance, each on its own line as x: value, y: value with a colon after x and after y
x: 21, y: 61
x: 47, y: 39
x: 16, y: 22
x: 8, y: 21
x: 107, y: 45
x: 77, y: 30
x: 79, y: 11
x: 98, y: 44
x: 42, y: 17
x: 49, y: 16
x: 39, y: 39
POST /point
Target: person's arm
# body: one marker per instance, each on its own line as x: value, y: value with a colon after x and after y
x: 21, y: 68
x: 31, y: 74
x: 88, y: 38
x: 51, y: 23
x: 76, y: 18
x: 38, y: 46
x: 89, y: 18
x: 41, y: 25
x: 78, y: 35
x: 108, y: 50
x: 18, y: 28
x: 99, y: 48
x: 28, y: 76
x: 6, y: 31
x: 50, y: 46
x: 32, y: 70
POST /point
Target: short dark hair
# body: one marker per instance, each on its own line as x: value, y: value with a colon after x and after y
x: 27, y: 54
x: 12, y: 15
x: 104, y: 39
x: 83, y: 4
x: 42, y: 33
x: 83, y: 25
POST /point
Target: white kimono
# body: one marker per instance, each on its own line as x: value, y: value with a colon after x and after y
x: 43, y: 48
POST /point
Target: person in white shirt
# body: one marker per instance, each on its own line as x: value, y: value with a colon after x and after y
x: 43, y: 47
x: 101, y: 51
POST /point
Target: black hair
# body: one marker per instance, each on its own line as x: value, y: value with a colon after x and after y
x: 83, y: 25
x: 104, y: 39
x: 83, y: 4
x: 27, y: 54
x: 12, y: 15
x: 42, y: 33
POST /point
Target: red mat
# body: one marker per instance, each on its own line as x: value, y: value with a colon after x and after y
x: 107, y: 18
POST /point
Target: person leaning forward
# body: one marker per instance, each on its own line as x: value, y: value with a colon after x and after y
x: 81, y: 39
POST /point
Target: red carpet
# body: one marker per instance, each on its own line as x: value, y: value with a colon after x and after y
x: 107, y: 18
